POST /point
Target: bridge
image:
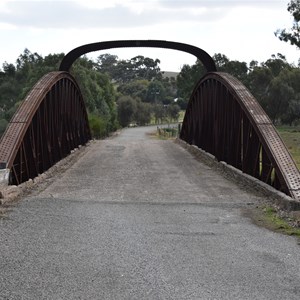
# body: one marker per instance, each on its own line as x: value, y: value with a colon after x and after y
x: 139, y: 218
x: 222, y: 118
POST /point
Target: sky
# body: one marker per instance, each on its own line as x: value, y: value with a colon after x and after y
x: 242, y: 30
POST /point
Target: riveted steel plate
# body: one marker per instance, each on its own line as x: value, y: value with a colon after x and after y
x: 281, y: 155
x: 10, y: 142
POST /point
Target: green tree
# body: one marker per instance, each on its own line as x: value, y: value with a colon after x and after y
x: 142, y: 115
x: 276, y: 64
x: 3, y: 124
x: 98, y: 126
x: 159, y: 113
x: 237, y: 69
x: 145, y: 67
x: 292, y: 35
x: 190, y: 75
x: 106, y: 63
x: 9, y: 70
x: 182, y: 103
x: 137, y: 89
x: 292, y: 114
x: 156, y: 92
x: 279, y: 96
x: 170, y: 85
x: 127, y: 108
x: 187, y: 80
x: 261, y: 81
x: 139, y: 67
x: 16, y: 81
x: 173, y: 112
x: 9, y: 93
x: 233, y: 67
x: 98, y: 91
x: 291, y: 77
x: 221, y: 61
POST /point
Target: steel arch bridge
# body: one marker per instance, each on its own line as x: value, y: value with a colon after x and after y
x: 222, y: 118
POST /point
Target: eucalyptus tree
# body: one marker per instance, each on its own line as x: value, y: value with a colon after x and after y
x: 292, y: 35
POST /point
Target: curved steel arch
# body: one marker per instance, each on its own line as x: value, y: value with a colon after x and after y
x: 204, y: 57
x: 224, y: 119
x: 50, y: 122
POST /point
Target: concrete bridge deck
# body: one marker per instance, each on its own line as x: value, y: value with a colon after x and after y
x: 140, y: 218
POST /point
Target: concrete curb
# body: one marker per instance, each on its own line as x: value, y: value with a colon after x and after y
x: 272, y: 195
x: 9, y: 193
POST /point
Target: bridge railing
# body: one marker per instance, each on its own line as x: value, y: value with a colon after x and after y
x: 224, y: 119
x: 50, y: 122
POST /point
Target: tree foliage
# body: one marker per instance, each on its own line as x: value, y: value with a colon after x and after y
x: 274, y: 83
x: 187, y: 79
x: 127, y: 108
x: 292, y: 35
x: 98, y: 92
x: 137, y: 89
x: 125, y: 71
x: 16, y: 82
x: 121, y: 92
x: 143, y: 113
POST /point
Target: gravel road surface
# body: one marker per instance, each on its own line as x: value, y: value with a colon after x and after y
x: 139, y: 218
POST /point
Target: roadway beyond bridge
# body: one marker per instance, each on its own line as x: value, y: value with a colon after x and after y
x: 140, y: 218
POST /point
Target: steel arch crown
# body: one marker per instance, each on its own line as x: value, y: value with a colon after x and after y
x: 203, y: 56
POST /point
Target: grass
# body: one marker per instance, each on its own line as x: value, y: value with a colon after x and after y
x: 181, y: 115
x: 268, y: 217
x: 277, y: 223
x: 166, y: 133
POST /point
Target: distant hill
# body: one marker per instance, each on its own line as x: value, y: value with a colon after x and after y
x: 169, y: 74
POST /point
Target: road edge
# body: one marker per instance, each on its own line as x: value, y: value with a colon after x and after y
x: 272, y: 195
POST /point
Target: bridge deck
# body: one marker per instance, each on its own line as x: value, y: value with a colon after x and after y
x: 140, y: 218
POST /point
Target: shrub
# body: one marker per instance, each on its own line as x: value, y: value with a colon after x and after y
x: 98, y: 126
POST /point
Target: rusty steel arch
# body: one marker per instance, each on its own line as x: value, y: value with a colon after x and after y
x: 224, y: 119
x: 203, y: 56
x: 50, y: 122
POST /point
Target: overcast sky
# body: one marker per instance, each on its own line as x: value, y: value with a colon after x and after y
x: 241, y: 29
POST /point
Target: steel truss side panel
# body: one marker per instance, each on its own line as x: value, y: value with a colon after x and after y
x: 50, y: 122
x: 240, y: 132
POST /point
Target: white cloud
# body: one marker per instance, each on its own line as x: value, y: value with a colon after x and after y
x: 242, y: 30
x: 114, y: 14
x: 67, y: 14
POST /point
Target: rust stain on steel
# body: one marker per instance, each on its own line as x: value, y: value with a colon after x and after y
x: 50, y: 122
x: 224, y: 119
